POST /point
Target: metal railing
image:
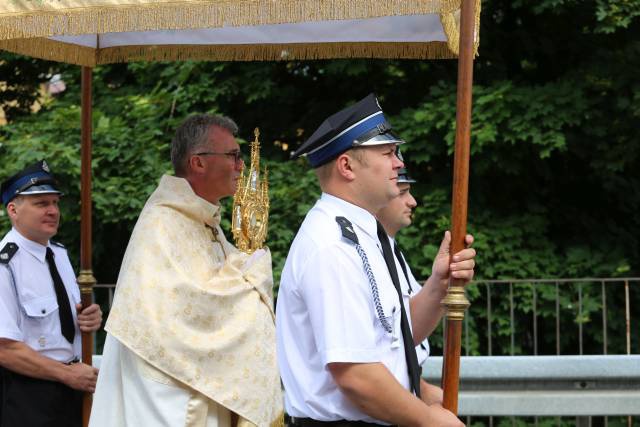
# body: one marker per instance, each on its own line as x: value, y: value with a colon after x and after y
x: 569, y: 304
x: 530, y: 306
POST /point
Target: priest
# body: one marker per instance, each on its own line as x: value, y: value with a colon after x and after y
x: 191, y: 335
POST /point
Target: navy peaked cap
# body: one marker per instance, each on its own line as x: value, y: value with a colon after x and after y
x: 34, y: 179
x: 404, y: 178
x: 361, y: 124
x: 403, y: 174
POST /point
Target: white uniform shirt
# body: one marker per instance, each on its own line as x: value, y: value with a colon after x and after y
x: 326, y: 313
x: 422, y: 350
x: 28, y: 304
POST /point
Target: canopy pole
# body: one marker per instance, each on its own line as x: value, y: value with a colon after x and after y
x: 86, y: 279
x: 456, y: 302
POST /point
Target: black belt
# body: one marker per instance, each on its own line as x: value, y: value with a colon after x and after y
x: 74, y: 360
x: 310, y: 422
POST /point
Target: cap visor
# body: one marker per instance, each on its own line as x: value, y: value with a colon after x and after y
x: 39, y: 189
x: 406, y: 180
x: 380, y: 139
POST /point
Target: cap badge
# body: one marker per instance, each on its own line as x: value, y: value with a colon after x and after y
x: 45, y: 166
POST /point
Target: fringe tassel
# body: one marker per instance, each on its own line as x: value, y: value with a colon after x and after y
x: 278, y: 52
x: 451, y: 25
x: 52, y: 51
x: 63, y: 52
x: 20, y: 21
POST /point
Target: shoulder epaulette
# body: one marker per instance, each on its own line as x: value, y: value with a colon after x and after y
x: 8, y: 252
x: 347, y: 229
x: 58, y: 244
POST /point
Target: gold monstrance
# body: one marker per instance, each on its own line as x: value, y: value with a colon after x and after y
x: 251, y: 204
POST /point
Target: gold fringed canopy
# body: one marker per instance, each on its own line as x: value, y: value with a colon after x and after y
x: 93, y: 32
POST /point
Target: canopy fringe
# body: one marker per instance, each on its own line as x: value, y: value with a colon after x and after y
x: 451, y: 26
x: 278, y: 52
x: 63, y: 52
x: 52, y: 51
x: 33, y: 19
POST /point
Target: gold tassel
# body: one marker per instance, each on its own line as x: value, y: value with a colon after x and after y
x: 451, y: 25
x: 20, y: 20
x: 52, y: 50
x: 64, y: 52
x: 277, y: 52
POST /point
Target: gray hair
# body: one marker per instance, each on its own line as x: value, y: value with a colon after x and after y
x: 192, y: 134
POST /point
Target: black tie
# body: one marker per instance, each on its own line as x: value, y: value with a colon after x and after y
x: 407, y: 337
x: 396, y: 250
x: 64, y: 307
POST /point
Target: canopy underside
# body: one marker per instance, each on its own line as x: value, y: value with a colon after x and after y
x: 421, y: 36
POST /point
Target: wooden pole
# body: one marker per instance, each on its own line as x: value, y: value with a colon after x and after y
x: 455, y: 302
x: 86, y: 279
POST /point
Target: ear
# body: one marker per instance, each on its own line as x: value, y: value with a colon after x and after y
x: 11, y: 210
x: 196, y: 165
x: 344, y: 165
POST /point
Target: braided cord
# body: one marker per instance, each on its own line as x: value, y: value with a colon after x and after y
x: 374, y: 289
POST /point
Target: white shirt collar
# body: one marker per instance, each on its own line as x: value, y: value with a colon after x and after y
x: 355, y: 214
x: 36, y: 249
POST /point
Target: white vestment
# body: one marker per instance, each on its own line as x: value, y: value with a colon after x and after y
x: 147, y: 397
x: 191, y: 328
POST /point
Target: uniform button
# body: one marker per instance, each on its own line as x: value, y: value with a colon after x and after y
x: 44, y: 311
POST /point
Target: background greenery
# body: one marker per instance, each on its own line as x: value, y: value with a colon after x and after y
x: 554, y: 186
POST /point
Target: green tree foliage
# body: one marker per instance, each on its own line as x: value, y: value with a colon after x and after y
x: 20, y: 80
x: 555, y: 151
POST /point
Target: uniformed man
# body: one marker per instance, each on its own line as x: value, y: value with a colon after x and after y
x: 40, y: 312
x: 394, y: 217
x: 345, y: 344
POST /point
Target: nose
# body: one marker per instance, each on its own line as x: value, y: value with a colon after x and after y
x: 397, y: 162
x: 412, y: 202
x: 53, y: 210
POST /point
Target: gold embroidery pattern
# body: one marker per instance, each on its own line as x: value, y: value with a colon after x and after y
x: 194, y: 315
